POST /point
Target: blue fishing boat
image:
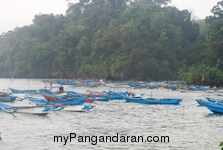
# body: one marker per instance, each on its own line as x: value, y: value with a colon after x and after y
x: 212, y: 104
x: 196, y: 88
x: 102, y: 98
x: 135, y: 100
x: 58, y: 92
x: 116, y: 95
x: 18, y: 91
x: 137, y: 85
x: 173, y: 88
x: 35, y: 110
x: 75, y: 94
x: 117, y: 92
x: 66, y: 82
x: 99, y: 96
x: 66, y: 107
x: 8, y: 98
x: 215, y: 100
x: 70, y: 101
x: 201, y: 102
x: 173, y: 101
x: 215, y: 107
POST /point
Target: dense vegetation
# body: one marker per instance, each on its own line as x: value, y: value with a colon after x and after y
x: 221, y: 145
x: 141, y: 39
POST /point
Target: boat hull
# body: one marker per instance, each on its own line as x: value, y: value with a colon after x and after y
x: 8, y: 98
x: 23, y: 91
x: 172, y: 101
x: 201, y: 102
x: 215, y: 108
x: 71, y: 101
x: 165, y: 101
x: 74, y: 108
x: 34, y: 111
x: 102, y: 98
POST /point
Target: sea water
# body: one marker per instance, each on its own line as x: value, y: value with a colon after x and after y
x: 114, y: 124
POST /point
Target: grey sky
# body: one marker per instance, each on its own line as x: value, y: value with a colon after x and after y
x: 199, y: 8
x: 18, y: 13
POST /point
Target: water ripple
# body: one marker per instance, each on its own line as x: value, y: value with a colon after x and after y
x: 187, y: 125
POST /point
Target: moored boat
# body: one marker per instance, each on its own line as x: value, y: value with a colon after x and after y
x: 99, y: 96
x: 66, y: 106
x: 215, y: 100
x: 35, y: 110
x: 92, y: 93
x: 51, y: 97
x: 215, y: 108
x: 18, y: 91
x: 102, y: 98
x: 77, y: 108
x: 5, y: 93
x: 214, y: 105
x: 173, y: 101
x: 7, y: 98
x: 201, y: 102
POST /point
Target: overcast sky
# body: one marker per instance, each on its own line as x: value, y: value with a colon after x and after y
x: 18, y: 13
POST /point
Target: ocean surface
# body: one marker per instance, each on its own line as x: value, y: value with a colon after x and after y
x: 188, y: 126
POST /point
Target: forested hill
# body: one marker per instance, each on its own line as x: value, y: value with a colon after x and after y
x: 115, y: 38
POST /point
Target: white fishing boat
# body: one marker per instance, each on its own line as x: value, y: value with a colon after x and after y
x: 25, y: 109
x: 39, y: 110
x: 75, y: 108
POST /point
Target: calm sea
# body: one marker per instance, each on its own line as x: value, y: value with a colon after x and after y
x: 187, y: 126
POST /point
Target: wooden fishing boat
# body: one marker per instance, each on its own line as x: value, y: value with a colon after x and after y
x: 51, y: 96
x: 117, y: 92
x: 116, y: 95
x: 135, y: 100
x: 69, y: 101
x: 102, y: 98
x: 77, y: 108
x: 92, y: 93
x: 99, y: 96
x: 75, y: 94
x: 66, y: 95
x: 138, y: 85
x: 201, y: 102
x: 215, y: 100
x: 35, y: 110
x: 174, y: 88
x: 7, y: 98
x: 18, y: 91
x: 215, y: 107
x: 66, y: 107
x: 67, y: 82
x: 58, y: 92
x: 196, y: 88
x: 173, y: 101
x: 5, y: 93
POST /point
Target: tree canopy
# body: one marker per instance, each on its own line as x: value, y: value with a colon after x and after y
x: 117, y: 38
